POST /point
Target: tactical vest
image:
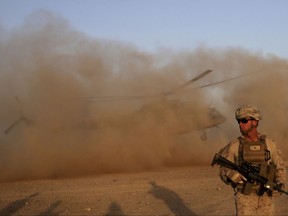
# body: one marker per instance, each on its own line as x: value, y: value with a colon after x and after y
x: 258, y: 155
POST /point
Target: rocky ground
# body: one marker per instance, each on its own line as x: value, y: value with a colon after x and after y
x: 190, y: 191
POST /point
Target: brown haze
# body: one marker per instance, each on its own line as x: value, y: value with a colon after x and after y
x: 53, y: 76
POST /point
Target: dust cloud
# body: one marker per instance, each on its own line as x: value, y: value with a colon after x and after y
x: 75, y: 105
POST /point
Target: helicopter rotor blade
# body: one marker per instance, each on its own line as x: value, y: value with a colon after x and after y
x: 226, y: 80
x: 138, y: 97
x: 200, y: 76
x: 219, y: 82
x: 13, y: 125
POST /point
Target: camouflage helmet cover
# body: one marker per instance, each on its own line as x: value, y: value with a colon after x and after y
x: 248, y: 111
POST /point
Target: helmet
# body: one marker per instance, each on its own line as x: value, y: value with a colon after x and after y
x: 248, y: 111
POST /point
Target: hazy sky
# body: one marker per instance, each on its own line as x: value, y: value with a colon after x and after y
x: 256, y: 25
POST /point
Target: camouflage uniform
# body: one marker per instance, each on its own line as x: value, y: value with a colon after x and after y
x: 252, y: 204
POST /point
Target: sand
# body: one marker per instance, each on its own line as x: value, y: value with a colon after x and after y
x: 195, y: 190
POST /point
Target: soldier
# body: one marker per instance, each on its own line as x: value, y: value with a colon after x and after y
x: 260, y: 151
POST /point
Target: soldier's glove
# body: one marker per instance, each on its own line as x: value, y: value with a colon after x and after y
x: 276, y: 192
x: 235, y: 177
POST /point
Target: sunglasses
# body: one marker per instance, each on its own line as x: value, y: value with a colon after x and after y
x: 244, y: 121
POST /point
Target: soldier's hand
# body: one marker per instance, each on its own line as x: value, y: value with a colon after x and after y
x: 276, y: 192
x: 235, y: 177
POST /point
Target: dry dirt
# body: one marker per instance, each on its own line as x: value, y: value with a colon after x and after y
x: 190, y: 191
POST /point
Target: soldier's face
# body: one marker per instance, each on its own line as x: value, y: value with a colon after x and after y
x: 246, y: 125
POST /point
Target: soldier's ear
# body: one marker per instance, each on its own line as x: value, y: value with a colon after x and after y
x: 255, y: 122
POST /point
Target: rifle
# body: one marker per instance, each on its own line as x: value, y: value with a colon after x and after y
x: 251, y: 173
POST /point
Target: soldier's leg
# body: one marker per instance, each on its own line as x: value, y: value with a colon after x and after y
x: 266, y: 205
x: 246, y: 204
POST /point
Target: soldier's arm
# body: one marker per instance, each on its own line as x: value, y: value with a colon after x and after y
x: 276, y: 157
x: 230, y: 152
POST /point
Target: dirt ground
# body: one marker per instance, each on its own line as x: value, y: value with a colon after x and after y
x: 190, y: 191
